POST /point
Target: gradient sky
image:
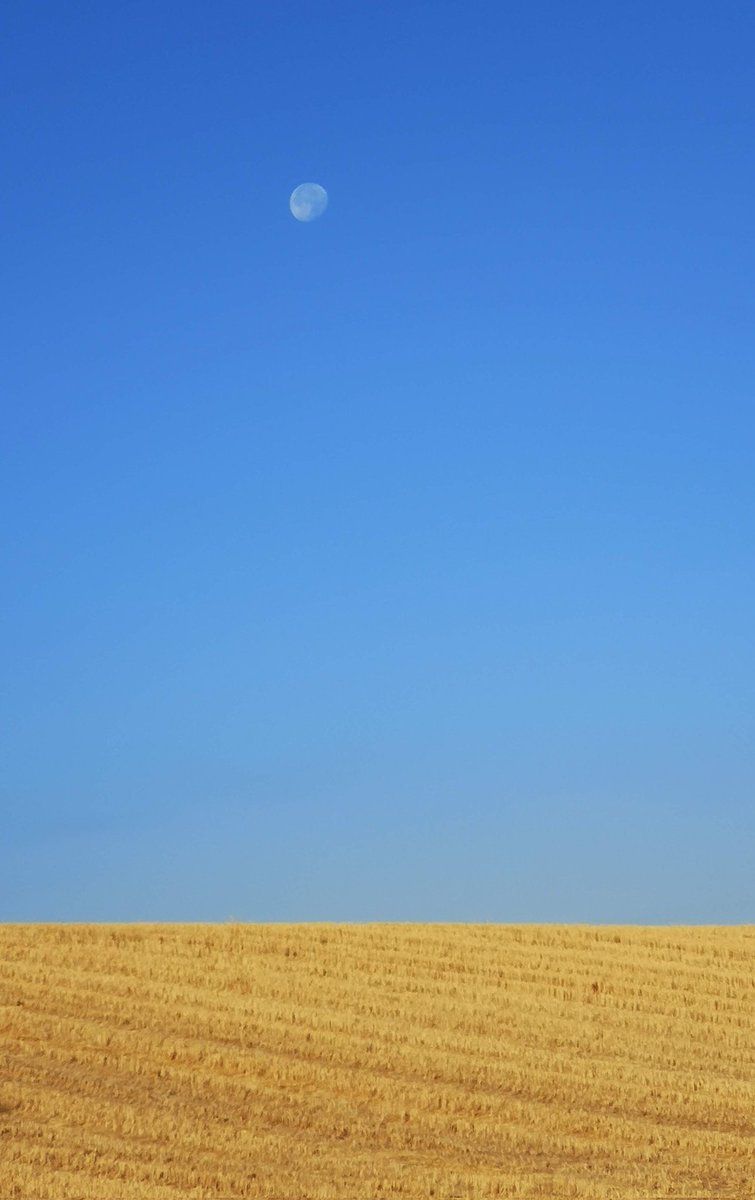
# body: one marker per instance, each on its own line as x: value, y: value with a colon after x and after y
x: 396, y: 566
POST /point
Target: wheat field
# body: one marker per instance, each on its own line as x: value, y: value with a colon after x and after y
x: 363, y: 1062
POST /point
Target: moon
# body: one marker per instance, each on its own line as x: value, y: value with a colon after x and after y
x: 308, y: 201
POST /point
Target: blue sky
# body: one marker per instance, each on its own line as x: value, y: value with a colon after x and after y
x: 395, y: 566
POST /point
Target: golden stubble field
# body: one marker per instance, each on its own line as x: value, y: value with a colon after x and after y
x: 363, y: 1062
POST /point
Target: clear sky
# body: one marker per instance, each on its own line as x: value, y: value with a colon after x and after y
x: 397, y: 565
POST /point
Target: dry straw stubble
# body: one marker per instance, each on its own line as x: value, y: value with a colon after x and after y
x: 369, y: 1062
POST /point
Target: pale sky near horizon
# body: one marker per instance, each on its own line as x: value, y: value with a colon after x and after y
x: 396, y: 565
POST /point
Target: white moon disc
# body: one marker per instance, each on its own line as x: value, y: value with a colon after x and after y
x: 308, y: 201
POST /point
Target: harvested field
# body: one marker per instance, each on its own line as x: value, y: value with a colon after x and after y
x: 364, y: 1062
